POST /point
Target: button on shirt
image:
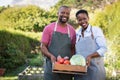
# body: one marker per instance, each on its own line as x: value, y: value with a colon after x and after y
x: 98, y: 37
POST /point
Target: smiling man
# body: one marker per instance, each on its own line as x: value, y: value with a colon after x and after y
x: 58, y: 39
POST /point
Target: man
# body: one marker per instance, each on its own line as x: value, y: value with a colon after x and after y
x: 58, y: 39
x: 91, y: 44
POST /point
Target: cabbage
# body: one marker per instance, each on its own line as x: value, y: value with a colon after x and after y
x: 78, y: 60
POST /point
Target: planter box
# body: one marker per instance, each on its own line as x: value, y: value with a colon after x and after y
x: 2, y: 71
x: 69, y: 69
x: 31, y: 73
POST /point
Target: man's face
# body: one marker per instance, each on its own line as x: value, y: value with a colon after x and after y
x: 63, y: 14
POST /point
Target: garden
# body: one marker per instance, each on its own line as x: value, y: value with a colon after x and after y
x: 21, y: 30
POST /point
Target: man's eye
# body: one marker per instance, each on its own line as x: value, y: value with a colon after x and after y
x: 62, y: 12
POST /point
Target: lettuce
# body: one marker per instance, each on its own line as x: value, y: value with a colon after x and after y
x: 78, y: 60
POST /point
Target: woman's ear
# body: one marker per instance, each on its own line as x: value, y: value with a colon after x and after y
x: 88, y: 17
x: 57, y: 13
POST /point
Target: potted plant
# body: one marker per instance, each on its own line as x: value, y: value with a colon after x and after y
x: 2, y: 71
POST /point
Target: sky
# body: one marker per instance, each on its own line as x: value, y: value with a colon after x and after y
x: 46, y: 4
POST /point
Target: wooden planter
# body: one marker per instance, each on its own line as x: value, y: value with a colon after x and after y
x: 31, y: 73
x: 2, y: 71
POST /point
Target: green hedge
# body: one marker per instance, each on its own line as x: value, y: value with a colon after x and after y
x: 15, y: 49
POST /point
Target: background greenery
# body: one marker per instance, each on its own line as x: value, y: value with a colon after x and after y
x: 21, y: 29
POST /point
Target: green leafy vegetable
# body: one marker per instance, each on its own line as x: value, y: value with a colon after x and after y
x: 78, y: 60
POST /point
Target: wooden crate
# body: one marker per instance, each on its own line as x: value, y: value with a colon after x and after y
x: 69, y: 69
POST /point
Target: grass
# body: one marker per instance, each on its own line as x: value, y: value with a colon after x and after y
x: 9, y: 78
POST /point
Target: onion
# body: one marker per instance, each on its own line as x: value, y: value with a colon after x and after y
x: 66, y: 57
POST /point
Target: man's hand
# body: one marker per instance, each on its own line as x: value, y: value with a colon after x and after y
x: 53, y: 59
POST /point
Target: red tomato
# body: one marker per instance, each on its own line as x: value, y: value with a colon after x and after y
x: 61, y: 61
x: 57, y: 62
x: 66, y: 62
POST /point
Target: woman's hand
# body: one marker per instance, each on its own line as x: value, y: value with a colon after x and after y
x: 88, y: 60
x: 89, y: 57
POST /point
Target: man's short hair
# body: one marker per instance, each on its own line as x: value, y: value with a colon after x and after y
x: 64, y: 6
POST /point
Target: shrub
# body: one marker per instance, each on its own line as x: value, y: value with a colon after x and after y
x: 14, y: 49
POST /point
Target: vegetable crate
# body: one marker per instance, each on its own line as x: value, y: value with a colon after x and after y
x: 69, y: 69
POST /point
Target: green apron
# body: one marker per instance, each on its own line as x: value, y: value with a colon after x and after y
x: 96, y: 71
x: 60, y: 45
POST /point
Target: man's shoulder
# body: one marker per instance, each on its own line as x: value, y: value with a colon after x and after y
x: 49, y: 27
x: 51, y: 24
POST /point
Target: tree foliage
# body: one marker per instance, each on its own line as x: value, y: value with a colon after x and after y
x: 29, y: 18
x: 90, y: 5
x: 108, y: 20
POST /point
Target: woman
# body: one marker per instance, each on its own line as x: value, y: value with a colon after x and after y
x: 91, y: 44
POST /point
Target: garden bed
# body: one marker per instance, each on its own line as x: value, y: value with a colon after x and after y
x: 31, y: 73
x: 2, y: 71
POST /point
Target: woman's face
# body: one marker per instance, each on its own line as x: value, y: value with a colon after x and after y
x: 83, y: 19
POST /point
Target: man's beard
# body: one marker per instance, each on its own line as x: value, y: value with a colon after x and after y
x: 63, y: 21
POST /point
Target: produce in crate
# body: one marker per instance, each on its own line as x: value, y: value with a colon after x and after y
x: 64, y: 60
x: 74, y: 65
x: 78, y: 60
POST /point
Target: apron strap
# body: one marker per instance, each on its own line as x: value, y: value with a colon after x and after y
x: 55, y: 27
x: 67, y: 29
x: 82, y: 34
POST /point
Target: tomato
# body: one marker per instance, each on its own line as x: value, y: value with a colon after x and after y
x: 66, y: 62
x: 61, y: 60
x: 57, y: 62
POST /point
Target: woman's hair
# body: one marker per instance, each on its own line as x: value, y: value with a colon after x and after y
x: 82, y: 11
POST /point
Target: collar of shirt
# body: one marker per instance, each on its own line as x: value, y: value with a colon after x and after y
x: 87, y: 30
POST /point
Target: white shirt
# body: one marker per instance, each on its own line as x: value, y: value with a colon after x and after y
x: 98, y: 37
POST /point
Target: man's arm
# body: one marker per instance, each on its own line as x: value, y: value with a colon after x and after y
x: 46, y: 53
